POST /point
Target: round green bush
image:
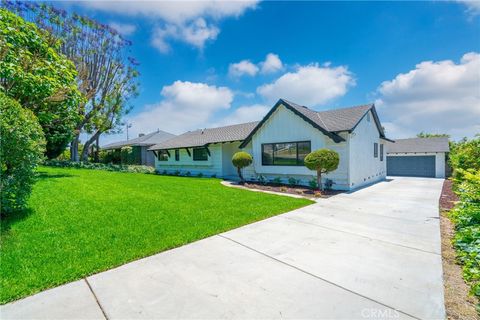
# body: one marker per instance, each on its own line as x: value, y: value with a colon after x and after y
x: 322, y: 161
x: 241, y: 160
x: 22, y: 145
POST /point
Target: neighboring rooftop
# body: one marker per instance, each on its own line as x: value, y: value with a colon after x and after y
x: 143, y: 140
x: 202, y: 137
x: 420, y: 145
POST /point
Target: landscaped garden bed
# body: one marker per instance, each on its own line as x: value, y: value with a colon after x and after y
x: 291, y: 189
x: 80, y: 222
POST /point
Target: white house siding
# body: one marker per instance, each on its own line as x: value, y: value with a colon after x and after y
x: 213, y: 166
x: 364, y: 167
x: 285, y: 126
x: 439, y: 160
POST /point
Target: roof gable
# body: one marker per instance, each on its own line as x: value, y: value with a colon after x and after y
x: 306, y: 114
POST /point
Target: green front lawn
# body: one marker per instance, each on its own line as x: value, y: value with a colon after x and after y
x: 82, y: 221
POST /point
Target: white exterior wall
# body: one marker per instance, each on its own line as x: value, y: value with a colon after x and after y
x: 439, y: 160
x: 364, y: 167
x: 285, y: 126
x: 213, y: 166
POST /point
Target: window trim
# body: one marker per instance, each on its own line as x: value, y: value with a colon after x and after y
x: 177, y: 155
x: 160, y: 153
x: 200, y: 148
x: 273, y: 150
x: 381, y: 152
x: 375, y: 149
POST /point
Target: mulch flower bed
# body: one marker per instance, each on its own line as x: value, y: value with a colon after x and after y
x: 298, y: 190
x: 448, y: 197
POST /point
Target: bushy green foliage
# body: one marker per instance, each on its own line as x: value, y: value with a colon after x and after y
x: 277, y: 180
x: 99, y: 166
x: 465, y: 155
x: 33, y: 73
x: 322, y: 161
x: 313, y: 184
x: 21, y: 149
x: 241, y: 160
x: 293, y: 182
x: 464, y: 159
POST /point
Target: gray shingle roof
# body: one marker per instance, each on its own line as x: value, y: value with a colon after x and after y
x: 439, y: 144
x: 146, y: 140
x: 202, y: 137
x: 335, y: 120
x: 330, y: 122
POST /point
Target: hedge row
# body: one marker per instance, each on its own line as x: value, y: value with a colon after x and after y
x: 466, y: 216
x: 99, y: 166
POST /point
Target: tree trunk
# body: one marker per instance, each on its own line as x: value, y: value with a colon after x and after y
x: 87, y: 145
x: 239, y: 170
x: 97, y: 149
x: 74, y: 148
x: 319, y: 180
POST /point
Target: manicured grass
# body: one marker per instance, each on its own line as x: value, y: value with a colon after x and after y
x: 83, y: 221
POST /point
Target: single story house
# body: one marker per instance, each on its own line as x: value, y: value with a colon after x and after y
x: 280, y: 142
x: 418, y: 157
x: 140, y: 146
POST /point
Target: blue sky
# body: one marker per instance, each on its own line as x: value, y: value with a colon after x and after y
x: 210, y: 63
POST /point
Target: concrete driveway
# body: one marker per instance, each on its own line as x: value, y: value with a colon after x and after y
x: 370, y: 254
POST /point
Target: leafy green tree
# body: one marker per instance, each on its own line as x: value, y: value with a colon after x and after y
x: 33, y: 73
x: 241, y: 160
x: 465, y: 155
x: 432, y: 135
x: 107, y: 76
x: 21, y: 149
x: 322, y: 161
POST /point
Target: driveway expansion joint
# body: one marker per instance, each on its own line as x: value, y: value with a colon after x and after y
x: 359, y: 235
x: 315, y: 276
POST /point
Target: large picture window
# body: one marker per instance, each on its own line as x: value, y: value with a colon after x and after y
x: 200, y: 154
x: 162, y: 155
x: 285, y: 154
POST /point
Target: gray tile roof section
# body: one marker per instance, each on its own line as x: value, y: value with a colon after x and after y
x: 202, y: 137
x: 420, y: 145
x: 146, y: 140
x: 334, y: 120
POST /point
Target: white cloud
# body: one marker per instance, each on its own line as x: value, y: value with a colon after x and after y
x: 437, y: 97
x: 473, y: 6
x: 196, y: 33
x: 310, y: 85
x: 185, y: 106
x: 271, y: 64
x: 244, y: 114
x: 244, y: 67
x: 192, y: 22
x: 124, y: 29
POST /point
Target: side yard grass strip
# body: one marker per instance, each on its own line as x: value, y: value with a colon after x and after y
x: 83, y: 221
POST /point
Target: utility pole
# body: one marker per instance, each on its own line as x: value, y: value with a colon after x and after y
x: 129, y: 125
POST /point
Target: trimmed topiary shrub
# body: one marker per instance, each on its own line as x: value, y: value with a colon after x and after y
x: 241, y: 160
x: 322, y: 161
x: 22, y: 145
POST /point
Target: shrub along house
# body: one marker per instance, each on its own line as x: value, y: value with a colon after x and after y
x: 140, y: 145
x: 280, y: 142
